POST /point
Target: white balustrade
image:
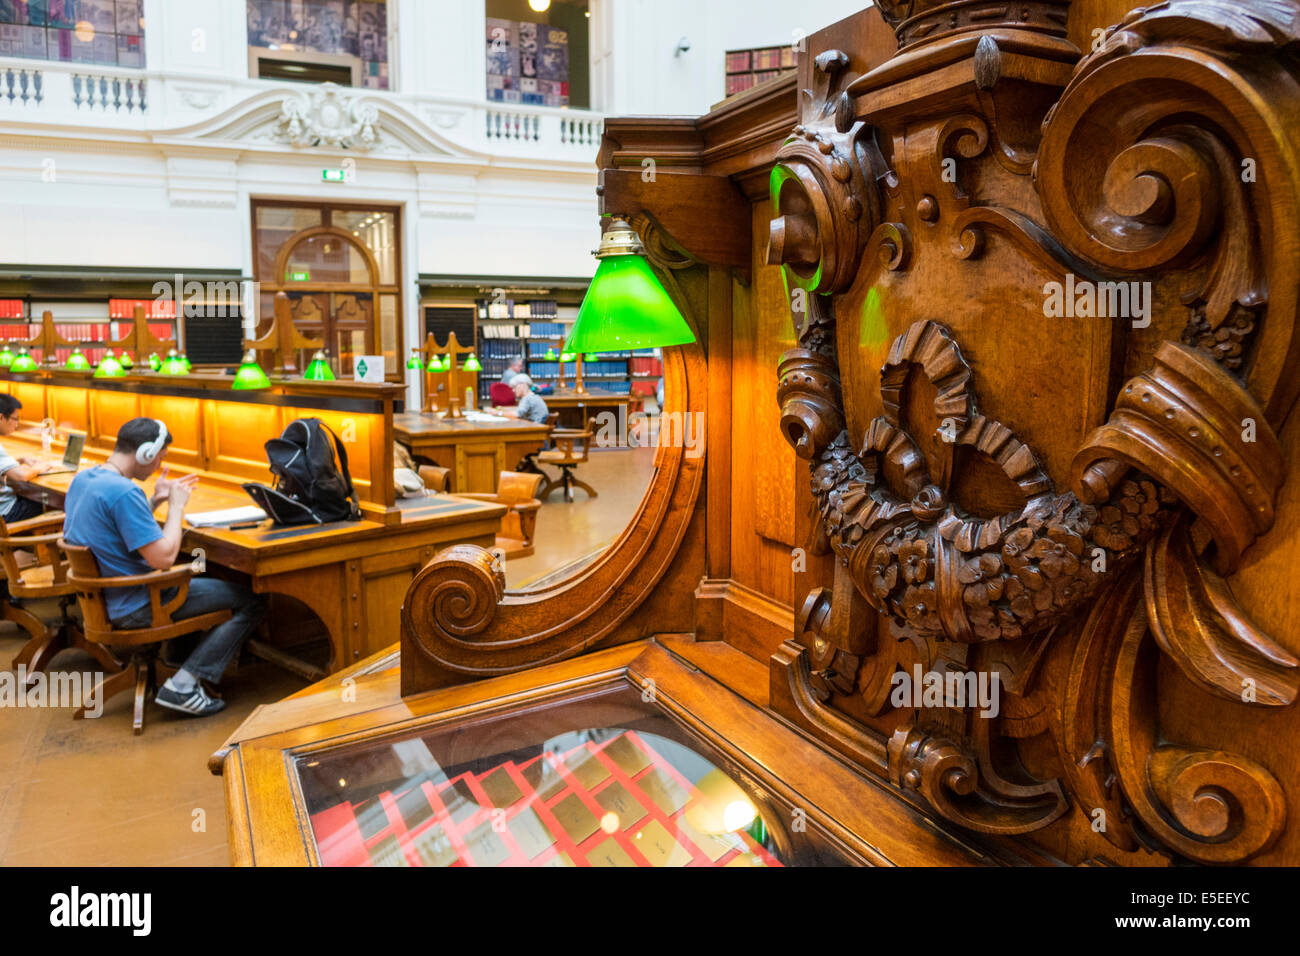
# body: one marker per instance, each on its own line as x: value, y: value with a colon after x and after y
x: 72, y: 95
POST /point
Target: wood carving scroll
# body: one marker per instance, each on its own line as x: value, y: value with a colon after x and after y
x: 1128, y: 560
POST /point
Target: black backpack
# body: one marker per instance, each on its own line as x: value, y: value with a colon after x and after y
x: 311, y: 485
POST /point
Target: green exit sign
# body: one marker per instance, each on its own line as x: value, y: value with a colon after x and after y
x: 333, y: 176
x: 303, y: 276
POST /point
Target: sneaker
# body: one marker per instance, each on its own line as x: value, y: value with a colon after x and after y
x: 196, y: 702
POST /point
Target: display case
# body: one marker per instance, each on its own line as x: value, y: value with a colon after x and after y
x: 627, y: 757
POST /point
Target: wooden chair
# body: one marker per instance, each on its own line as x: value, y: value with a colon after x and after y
x: 144, y: 669
x: 528, y: 464
x: 518, y: 491
x: 35, y: 569
x: 566, y: 458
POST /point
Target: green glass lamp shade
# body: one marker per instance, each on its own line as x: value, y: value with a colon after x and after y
x: 23, y: 362
x: 550, y: 355
x: 471, y: 364
x: 318, y: 370
x: 173, y: 365
x: 249, y: 376
x: 626, y: 308
x: 77, y: 362
x: 6, y: 357
x: 109, y: 367
x: 414, y: 361
x: 155, y: 362
x: 186, y: 362
x: 568, y: 357
x: 128, y: 363
x: 591, y: 357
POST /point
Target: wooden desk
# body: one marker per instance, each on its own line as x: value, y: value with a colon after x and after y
x: 352, y: 574
x: 575, y: 408
x: 475, y: 452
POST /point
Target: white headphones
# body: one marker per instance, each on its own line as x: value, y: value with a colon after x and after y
x: 150, y: 450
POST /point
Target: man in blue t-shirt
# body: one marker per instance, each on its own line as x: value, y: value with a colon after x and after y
x: 108, y: 512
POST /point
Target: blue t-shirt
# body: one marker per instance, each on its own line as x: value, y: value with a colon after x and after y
x: 111, y: 515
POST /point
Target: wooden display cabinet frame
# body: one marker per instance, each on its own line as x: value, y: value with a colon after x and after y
x: 266, y: 810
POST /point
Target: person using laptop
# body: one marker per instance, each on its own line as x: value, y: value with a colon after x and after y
x: 110, y: 514
x: 12, y: 507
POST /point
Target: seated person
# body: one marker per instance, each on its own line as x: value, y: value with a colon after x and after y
x: 516, y: 367
x: 107, y: 512
x: 531, y: 407
x: 13, y: 508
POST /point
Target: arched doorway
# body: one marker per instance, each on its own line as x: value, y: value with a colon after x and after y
x: 341, y: 273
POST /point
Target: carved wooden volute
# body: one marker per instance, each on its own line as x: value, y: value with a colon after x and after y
x: 1047, y: 308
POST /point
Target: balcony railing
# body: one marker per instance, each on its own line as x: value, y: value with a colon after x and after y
x: 104, y: 97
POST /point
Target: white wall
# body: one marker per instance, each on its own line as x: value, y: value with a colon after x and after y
x: 633, y: 44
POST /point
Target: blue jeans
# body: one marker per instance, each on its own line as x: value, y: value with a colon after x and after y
x: 209, y: 659
x: 24, y: 508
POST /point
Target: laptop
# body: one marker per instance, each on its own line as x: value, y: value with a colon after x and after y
x: 71, y: 455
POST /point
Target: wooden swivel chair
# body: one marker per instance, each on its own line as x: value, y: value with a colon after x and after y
x: 35, y: 569
x: 144, y: 670
x: 528, y: 464
x: 518, y: 491
x: 566, y: 457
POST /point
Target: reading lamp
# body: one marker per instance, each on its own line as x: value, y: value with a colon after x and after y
x: 319, y: 370
x: 249, y: 376
x: 626, y: 306
x: 6, y: 356
x: 23, y: 362
x: 173, y: 364
x: 77, y: 362
x: 109, y: 367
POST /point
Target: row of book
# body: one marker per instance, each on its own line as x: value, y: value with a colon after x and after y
x: 739, y: 82
x: 520, y: 331
x: 766, y: 58
x: 510, y: 309
x: 84, y: 331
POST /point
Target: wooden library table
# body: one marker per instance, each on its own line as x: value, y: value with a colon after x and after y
x: 352, y: 574
x: 576, y: 407
x: 475, y: 452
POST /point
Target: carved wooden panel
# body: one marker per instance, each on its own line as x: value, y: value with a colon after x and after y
x: 1048, y: 348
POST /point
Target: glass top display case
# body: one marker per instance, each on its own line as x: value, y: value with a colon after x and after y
x: 631, y: 756
x: 599, y: 780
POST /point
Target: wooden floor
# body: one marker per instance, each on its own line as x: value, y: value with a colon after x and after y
x: 89, y: 793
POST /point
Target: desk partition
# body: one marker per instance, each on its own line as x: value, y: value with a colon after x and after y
x: 218, y: 431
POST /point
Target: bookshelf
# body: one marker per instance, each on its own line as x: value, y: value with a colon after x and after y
x: 94, y: 326
x: 511, y: 328
x: 748, y: 68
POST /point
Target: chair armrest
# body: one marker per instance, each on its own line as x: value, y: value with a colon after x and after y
x: 53, y: 519
x: 175, y: 574
x: 155, y: 581
x: 434, y: 477
x: 527, y: 505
